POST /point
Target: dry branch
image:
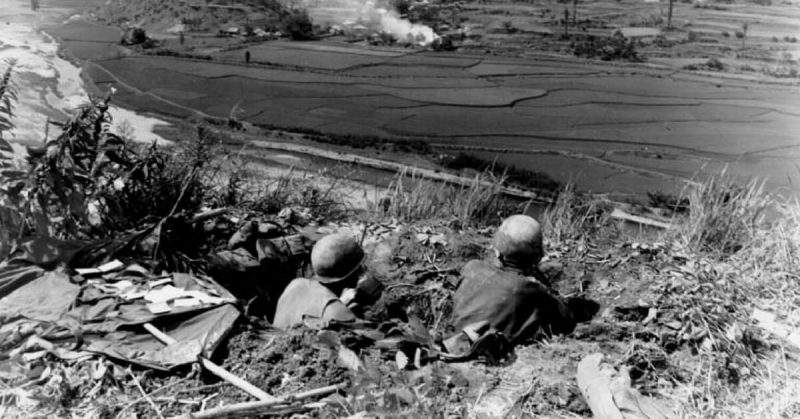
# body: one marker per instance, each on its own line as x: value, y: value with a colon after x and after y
x: 624, y: 216
x: 215, y: 369
x: 263, y: 407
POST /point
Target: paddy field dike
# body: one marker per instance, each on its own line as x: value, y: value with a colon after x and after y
x: 607, y: 126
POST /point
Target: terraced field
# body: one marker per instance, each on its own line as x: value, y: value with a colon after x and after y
x: 623, y: 128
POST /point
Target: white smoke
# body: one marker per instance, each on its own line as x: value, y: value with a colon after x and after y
x: 373, y: 14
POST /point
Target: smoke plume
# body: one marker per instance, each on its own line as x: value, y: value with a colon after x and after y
x: 375, y: 15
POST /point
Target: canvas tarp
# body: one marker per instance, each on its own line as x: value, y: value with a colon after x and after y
x: 106, y: 313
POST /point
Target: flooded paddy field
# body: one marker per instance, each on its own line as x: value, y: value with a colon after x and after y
x: 651, y: 125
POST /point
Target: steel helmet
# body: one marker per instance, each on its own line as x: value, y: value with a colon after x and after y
x: 335, y: 257
x: 519, y: 238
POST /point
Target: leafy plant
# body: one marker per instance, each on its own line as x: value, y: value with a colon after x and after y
x: 11, y: 218
x: 8, y: 98
x: 91, y: 182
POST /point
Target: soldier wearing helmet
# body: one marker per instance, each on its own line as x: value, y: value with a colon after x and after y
x: 504, y: 295
x: 329, y: 295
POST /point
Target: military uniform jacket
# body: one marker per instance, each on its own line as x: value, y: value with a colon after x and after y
x: 305, y: 298
x: 517, y: 306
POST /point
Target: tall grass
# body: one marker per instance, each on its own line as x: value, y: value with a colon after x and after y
x: 573, y: 216
x: 757, y: 236
x: 10, y: 219
x: 8, y: 98
x: 724, y: 216
x: 244, y: 185
x: 410, y: 197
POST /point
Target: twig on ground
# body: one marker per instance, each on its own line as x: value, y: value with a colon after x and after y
x: 208, y: 214
x: 149, y: 400
x: 261, y: 408
x: 214, y: 368
x: 206, y: 400
x: 143, y: 398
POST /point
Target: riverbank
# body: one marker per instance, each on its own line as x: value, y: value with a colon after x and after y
x: 608, y: 128
x: 50, y: 86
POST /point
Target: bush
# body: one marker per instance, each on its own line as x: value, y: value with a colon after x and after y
x: 402, y: 6
x: 739, y: 34
x: 164, y: 181
x: 726, y: 34
x: 135, y: 36
x: 616, y: 47
x: 509, y: 27
x: 715, y: 64
x: 297, y: 24
x: 90, y: 183
x: 513, y: 175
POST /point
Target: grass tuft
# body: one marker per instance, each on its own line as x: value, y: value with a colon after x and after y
x: 723, y: 215
x: 409, y: 198
x: 572, y: 216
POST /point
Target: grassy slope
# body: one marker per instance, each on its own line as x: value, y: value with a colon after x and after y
x: 158, y: 15
x: 697, y: 351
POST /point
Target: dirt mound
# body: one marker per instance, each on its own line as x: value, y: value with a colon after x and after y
x: 281, y: 363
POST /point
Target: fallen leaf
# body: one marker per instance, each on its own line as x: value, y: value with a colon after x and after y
x: 401, y: 359
x: 349, y: 359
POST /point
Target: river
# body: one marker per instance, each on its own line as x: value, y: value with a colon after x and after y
x: 48, y: 86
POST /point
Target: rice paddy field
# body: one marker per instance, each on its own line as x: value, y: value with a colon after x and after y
x: 621, y: 127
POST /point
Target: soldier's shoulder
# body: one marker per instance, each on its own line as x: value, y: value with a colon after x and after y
x: 477, y: 265
x: 298, y: 284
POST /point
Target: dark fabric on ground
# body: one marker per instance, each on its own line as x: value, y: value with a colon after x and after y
x: 107, y: 322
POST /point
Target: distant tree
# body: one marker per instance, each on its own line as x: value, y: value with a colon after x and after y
x: 297, y: 24
x: 744, y: 34
x: 402, y: 6
x: 574, y: 12
x: 566, y: 22
x: 134, y: 36
x: 669, y: 14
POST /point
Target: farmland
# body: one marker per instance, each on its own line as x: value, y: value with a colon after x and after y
x: 621, y: 127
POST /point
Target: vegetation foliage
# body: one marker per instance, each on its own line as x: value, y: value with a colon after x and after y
x: 297, y: 24
x: 615, y: 47
x: 410, y: 197
x: 737, y: 247
x: 529, y: 179
x: 723, y: 215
